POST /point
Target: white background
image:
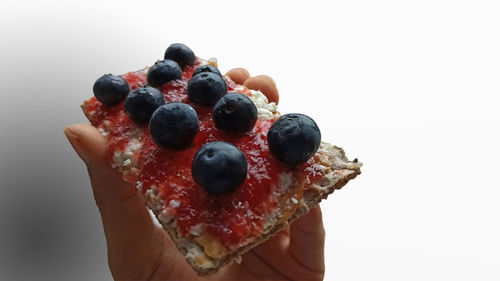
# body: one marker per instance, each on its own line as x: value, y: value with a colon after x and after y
x: 408, y: 87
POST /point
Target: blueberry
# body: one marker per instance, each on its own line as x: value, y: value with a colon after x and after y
x: 181, y: 54
x: 163, y: 71
x: 174, y: 125
x: 235, y: 113
x: 219, y: 167
x: 142, y: 102
x: 111, y: 90
x: 294, y: 138
x: 206, y: 68
x: 206, y: 88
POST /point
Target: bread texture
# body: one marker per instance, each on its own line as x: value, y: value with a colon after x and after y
x: 298, y: 194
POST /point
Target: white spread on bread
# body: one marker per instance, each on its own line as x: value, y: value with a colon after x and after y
x: 265, y: 110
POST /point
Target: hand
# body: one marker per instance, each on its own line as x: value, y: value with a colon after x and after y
x: 140, y: 250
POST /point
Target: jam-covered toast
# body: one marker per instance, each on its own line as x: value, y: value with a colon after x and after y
x: 189, y: 176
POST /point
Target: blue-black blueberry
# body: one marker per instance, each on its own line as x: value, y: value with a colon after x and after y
x: 206, y: 68
x: 234, y: 113
x: 111, y: 90
x: 294, y: 138
x: 206, y: 88
x: 174, y: 125
x: 163, y: 71
x: 142, y: 102
x: 180, y: 53
x: 219, y: 167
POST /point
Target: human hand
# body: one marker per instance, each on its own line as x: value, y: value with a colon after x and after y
x: 138, y: 249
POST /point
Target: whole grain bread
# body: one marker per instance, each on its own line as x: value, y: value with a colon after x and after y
x: 202, y: 253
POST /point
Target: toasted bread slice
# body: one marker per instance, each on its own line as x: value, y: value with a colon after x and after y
x: 297, y: 193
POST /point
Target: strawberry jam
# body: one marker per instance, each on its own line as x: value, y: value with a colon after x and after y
x: 233, y: 218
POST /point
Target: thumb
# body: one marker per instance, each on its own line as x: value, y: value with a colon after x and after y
x: 125, y: 218
x: 109, y: 188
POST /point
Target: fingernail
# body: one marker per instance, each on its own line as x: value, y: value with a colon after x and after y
x: 74, y: 135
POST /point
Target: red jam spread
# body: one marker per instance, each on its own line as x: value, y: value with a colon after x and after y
x: 233, y: 218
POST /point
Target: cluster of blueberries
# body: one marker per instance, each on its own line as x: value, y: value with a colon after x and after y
x: 219, y: 167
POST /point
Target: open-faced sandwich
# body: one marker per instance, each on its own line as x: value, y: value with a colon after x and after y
x: 217, y: 164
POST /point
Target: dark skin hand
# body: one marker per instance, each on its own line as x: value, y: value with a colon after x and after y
x: 140, y: 250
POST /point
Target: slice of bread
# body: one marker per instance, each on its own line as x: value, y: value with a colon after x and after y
x: 297, y: 194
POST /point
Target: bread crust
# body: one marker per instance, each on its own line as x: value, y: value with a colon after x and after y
x: 331, y: 160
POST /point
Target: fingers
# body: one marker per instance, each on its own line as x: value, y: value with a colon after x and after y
x: 307, y: 240
x: 266, y: 85
x: 238, y: 75
x: 125, y: 217
x: 299, y: 251
x: 275, y: 244
x: 263, y: 83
